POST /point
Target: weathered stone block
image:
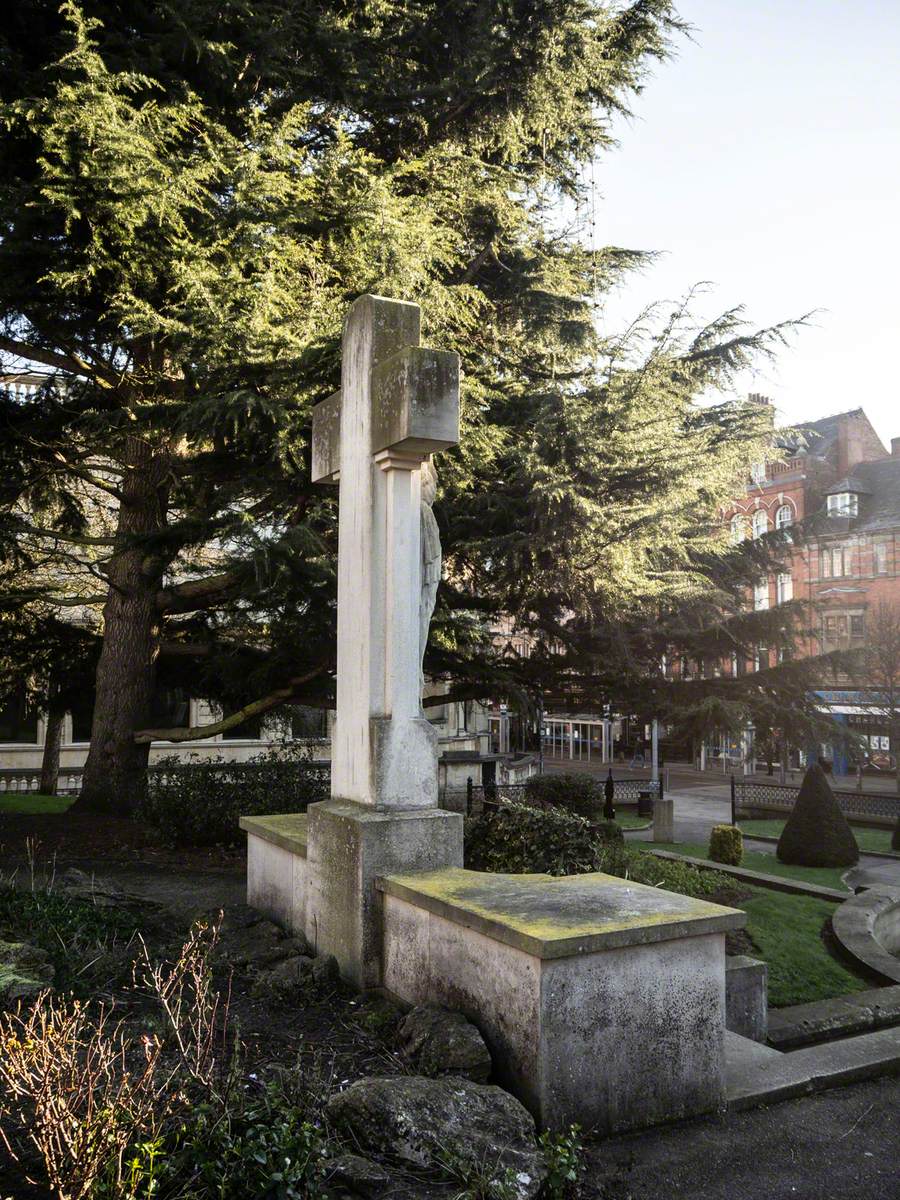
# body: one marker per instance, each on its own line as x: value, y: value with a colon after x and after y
x: 663, y: 820
x: 602, y: 1001
x: 350, y: 845
x: 415, y: 401
x: 747, y: 997
x: 276, y: 868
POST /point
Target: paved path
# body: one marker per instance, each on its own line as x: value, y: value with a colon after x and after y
x: 697, y: 811
x: 842, y: 1144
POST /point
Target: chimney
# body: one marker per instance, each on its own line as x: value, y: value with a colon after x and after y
x: 895, y: 447
x: 763, y: 402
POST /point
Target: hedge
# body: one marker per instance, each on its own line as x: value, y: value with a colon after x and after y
x: 516, y: 839
x: 200, y: 803
x: 726, y: 845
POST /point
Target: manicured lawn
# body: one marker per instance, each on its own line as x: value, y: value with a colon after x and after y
x: 31, y: 803
x: 631, y: 821
x: 768, y: 864
x: 878, y: 840
x: 787, y: 933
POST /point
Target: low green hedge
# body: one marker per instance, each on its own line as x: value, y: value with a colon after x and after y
x: 200, y: 803
x: 578, y: 794
x: 726, y: 845
x: 516, y: 839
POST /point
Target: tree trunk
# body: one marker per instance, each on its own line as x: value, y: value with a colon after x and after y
x: 56, y: 715
x: 115, y: 770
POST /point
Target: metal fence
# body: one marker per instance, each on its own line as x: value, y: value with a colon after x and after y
x: 476, y: 796
x: 751, y: 795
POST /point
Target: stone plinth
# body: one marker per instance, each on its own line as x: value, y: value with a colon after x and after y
x: 663, y: 820
x: 350, y: 845
x: 602, y: 1000
x: 747, y: 997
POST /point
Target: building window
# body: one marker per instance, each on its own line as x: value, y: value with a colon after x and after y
x: 170, y: 708
x: 738, y: 528
x: 784, y: 588
x: 82, y: 712
x: 308, y: 722
x: 760, y: 522
x: 835, y: 562
x: 761, y: 594
x: 843, y: 629
x: 758, y: 472
x: 248, y: 731
x: 784, y: 516
x: 18, y: 723
x: 880, y: 556
x: 843, y: 504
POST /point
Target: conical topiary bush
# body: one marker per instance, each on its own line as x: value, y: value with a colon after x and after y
x: 816, y: 833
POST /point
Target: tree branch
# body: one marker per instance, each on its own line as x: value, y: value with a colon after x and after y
x: 195, y: 593
x: 50, y: 358
x: 254, y: 709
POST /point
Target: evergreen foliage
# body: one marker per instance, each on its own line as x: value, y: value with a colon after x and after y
x: 726, y: 845
x: 816, y: 834
x: 190, y: 196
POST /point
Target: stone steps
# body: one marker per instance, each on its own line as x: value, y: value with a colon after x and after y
x: 824, y: 1020
x: 758, y: 1074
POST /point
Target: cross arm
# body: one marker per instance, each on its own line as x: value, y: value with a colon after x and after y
x: 415, y: 401
x: 326, y: 439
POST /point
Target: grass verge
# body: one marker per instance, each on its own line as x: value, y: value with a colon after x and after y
x: 630, y: 821
x: 876, y: 840
x: 33, y: 803
x: 787, y: 932
x: 767, y: 864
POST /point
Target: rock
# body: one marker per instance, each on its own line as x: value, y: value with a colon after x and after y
x: 81, y: 886
x: 325, y: 971
x: 377, y: 1014
x: 257, y: 946
x: 287, y: 978
x: 441, y: 1042
x: 423, y: 1121
x: 358, y: 1174
x: 25, y: 971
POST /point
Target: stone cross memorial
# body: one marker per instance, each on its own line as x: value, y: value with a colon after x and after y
x: 398, y: 404
x: 602, y: 1000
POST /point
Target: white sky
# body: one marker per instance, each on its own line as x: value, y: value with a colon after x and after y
x: 765, y: 158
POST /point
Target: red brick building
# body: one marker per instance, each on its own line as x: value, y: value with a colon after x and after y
x: 838, y: 479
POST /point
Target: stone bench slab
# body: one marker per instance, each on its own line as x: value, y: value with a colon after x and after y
x: 550, y: 916
x: 289, y: 831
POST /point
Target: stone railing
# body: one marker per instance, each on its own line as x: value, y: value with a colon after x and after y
x: 28, y: 779
x: 752, y: 795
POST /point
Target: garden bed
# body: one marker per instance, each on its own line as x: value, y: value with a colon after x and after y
x: 870, y: 841
x: 766, y: 864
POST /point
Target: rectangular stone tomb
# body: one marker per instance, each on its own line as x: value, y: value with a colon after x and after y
x: 602, y: 1000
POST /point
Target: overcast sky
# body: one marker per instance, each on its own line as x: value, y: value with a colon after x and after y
x: 765, y: 158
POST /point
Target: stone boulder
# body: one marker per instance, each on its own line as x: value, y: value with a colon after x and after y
x: 441, y: 1042
x: 450, y: 1125
x: 25, y: 971
x: 252, y: 947
x: 816, y: 834
x: 358, y: 1175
